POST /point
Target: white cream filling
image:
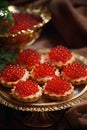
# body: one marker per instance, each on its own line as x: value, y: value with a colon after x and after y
x: 44, y: 58
x: 80, y: 79
x: 25, y: 76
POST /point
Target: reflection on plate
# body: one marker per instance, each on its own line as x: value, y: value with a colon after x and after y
x: 80, y: 94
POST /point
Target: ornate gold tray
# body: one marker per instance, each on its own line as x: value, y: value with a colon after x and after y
x: 43, y: 104
x: 44, y: 113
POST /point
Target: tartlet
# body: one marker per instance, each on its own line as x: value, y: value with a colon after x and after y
x: 44, y: 72
x: 58, y: 89
x: 61, y: 56
x: 26, y: 91
x: 12, y: 74
x: 29, y: 58
x: 76, y: 73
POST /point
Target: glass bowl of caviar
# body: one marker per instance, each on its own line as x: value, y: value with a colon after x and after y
x: 26, y: 28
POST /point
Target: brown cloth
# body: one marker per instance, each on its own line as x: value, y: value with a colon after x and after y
x: 77, y: 115
x: 70, y: 19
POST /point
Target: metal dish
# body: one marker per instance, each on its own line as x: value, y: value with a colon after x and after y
x: 21, y: 39
x: 44, y: 113
x: 43, y: 104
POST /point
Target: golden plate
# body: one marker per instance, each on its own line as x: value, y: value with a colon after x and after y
x: 43, y: 104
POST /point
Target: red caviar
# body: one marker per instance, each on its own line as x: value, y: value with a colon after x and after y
x: 29, y: 58
x: 75, y: 70
x: 23, y: 21
x: 44, y: 70
x: 60, y: 53
x: 57, y: 86
x: 26, y: 88
x: 12, y: 73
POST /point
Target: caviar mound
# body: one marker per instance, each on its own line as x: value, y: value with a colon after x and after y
x: 28, y: 23
x: 61, y: 56
x: 76, y: 73
x: 12, y: 74
x: 58, y: 89
x: 29, y: 58
x: 19, y: 33
x: 27, y: 91
x: 23, y: 22
x: 44, y: 72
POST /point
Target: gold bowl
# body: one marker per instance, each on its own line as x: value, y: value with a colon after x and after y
x: 24, y: 38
